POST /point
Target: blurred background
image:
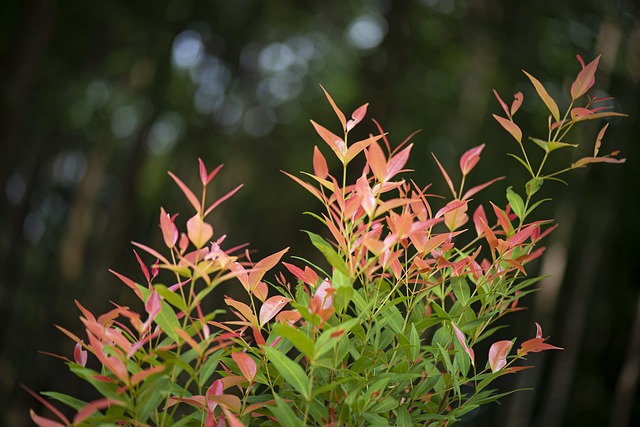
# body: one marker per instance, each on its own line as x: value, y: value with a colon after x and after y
x: 99, y: 99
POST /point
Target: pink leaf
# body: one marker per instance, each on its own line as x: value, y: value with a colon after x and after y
x: 130, y: 283
x: 502, y: 103
x: 143, y: 267
x: 271, y: 307
x: 319, y: 164
x: 463, y: 343
x: 187, y: 192
x: 517, y: 102
x: 153, y: 305
x: 80, y: 355
x: 357, y: 117
x: 470, y: 192
x: 222, y: 199
x: 498, y: 354
x: 324, y: 295
x: 246, y: 364
x: 199, y: 232
x: 216, y: 389
x: 469, y: 159
x: 368, y: 200
x: 397, y: 162
x: 478, y: 216
x: 44, y: 422
x: 585, y: 79
x: 510, y: 127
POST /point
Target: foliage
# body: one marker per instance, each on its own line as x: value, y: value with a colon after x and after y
x: 384, y: 335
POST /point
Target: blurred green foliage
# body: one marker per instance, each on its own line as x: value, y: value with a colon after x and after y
x: 100, y: 99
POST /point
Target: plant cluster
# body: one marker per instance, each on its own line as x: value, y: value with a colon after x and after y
x: 382, y: 334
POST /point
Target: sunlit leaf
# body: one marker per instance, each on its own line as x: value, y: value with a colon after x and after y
x: 271, y: 307
x: 544, y: 95
x: 340, y: 114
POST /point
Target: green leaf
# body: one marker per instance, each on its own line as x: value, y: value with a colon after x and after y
x: 414, y: 341
x: 298, y: 338
x: 171, y: 297
x: 439, y: 311
x: 166, y: 318
x: 516, y: 202
x: 284, y: 414
x: 403, y: 417
x: 329, y: 253
x: 460, y: 289
x: 72, y: 402
x: 554, y: 145
x: 541, y: 143
x: 535, y: 205
x: 290, y: 371
x: 533, y: 185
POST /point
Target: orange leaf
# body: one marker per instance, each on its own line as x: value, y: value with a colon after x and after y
x: 333, y: 141
x: 199, y: 232
x: 446, y: 176
x: 546, y: 98
x: 510, y: 127
x: 339, y: 113
x: 319, y: 164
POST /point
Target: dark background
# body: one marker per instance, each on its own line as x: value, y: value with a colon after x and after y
x: 99, y: 99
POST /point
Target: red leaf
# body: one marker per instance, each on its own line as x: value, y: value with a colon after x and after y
x: 139, y: 376
x: 246, y: 364
x: 469, y: 159
x: 537, y: 344
x: 271, y: 307
x: 49, y: 406
x: 130, y: 283
x: 585, y: 79
x: 498, y: 354
x: 92, y: 407
x: 470, y: 192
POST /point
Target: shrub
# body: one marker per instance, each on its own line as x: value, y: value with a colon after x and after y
x: 382, y: 334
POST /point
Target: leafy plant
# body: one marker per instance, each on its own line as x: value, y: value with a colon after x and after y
x: 383, y: 334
